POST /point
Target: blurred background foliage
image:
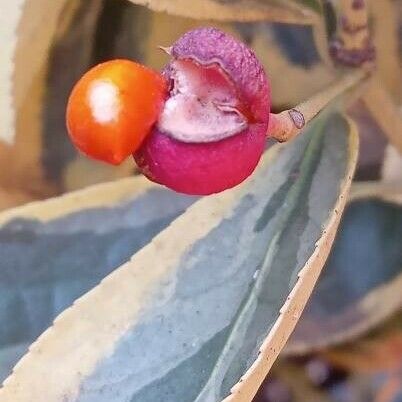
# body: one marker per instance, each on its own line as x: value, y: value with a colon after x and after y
x: 348, y: 344
x: 42, y: 162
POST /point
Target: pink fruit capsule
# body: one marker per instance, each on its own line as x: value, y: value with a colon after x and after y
x: 211, y: 132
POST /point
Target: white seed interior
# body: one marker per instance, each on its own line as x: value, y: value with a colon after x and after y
x: 202, y: 106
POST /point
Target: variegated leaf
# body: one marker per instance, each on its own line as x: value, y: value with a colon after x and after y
x: 315, y: 5
x: 186, y: 317
x: 361, y: 283
x: 26, y: 31
x: 378, y: 351
x: 113, y: 220
x: 290, y: 11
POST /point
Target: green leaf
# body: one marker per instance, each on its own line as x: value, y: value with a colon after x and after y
x: 73, y: 250
x: 361, y: 282
x: 186, y: 317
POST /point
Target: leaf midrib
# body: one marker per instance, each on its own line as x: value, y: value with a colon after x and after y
x: 306, y: 166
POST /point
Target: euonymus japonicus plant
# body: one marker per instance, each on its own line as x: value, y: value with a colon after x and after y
x: 164, y: 296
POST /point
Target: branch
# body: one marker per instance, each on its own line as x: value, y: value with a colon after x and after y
x: 385, y: 20
x: 385, y: 112
x: 287, y: 124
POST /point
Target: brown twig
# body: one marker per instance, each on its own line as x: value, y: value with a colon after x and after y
x: 287, y: 124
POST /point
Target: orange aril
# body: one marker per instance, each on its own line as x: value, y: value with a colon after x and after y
x: 112, y: 108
